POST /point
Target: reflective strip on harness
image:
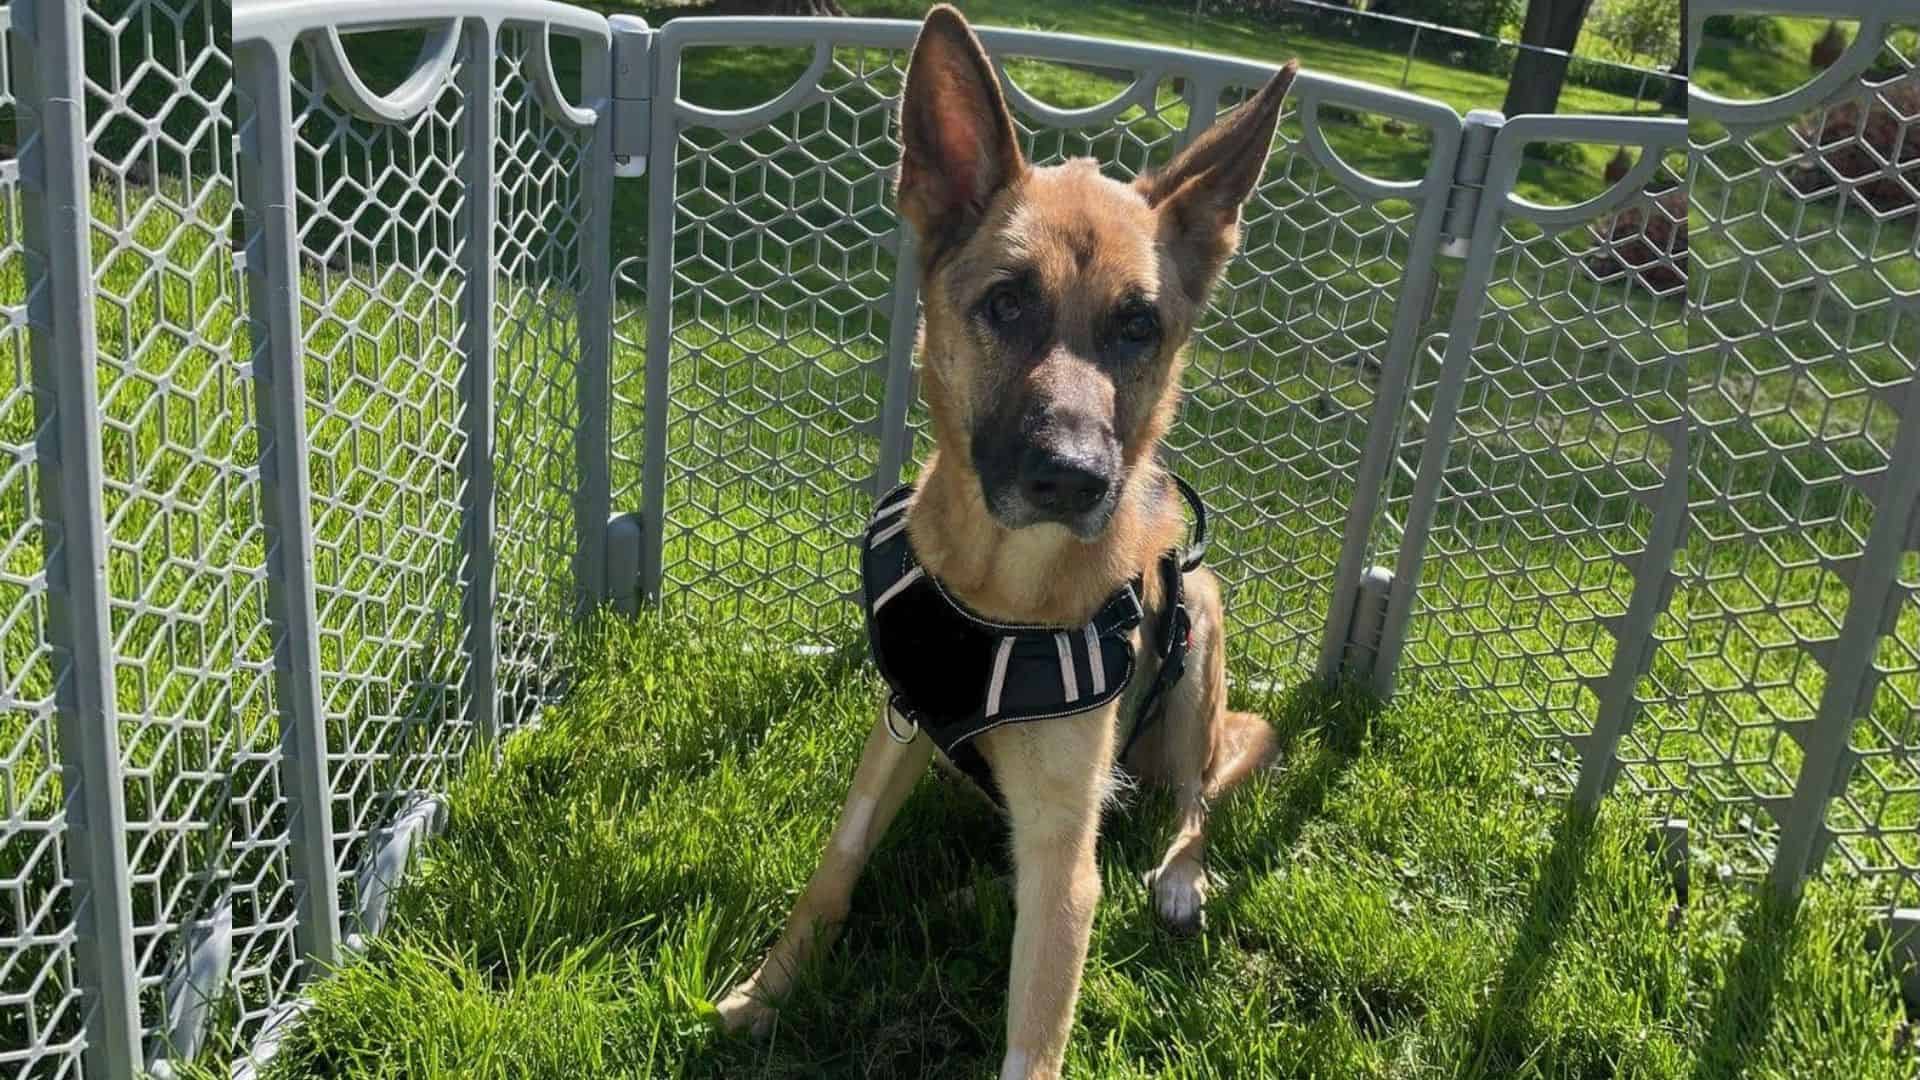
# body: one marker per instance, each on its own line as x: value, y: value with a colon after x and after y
x: 1067, y: 681
x: 900, y: 586
x: 1093, y: 649
x: 999, y: 676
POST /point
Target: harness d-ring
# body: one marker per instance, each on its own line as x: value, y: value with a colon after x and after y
x: 913, y: 727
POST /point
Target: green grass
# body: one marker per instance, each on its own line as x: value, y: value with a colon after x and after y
x: 1432, y: 75
x: 1395, y: 902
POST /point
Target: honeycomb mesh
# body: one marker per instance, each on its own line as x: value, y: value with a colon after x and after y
x: 540, y: 214
x: 1560, y: 451
x: 782, y: 270
x: 1808, y: 225
x: 379, y: 223
x: 1805, y: 256
x: 182, y: 520
x: 1281, y: 385
x: 1875, y: 818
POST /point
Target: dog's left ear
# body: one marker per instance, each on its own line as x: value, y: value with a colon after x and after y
x: 1200, y: 191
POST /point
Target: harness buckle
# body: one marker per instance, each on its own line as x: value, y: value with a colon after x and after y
x: 893, y: 732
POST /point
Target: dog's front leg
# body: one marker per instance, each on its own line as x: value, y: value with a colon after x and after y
x: 886, y: 774
x: 1053, y: 774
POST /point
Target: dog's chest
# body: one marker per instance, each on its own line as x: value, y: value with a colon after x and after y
x: 954, y: 675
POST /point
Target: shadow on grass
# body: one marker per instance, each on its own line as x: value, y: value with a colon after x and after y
x: 1320, y: 731
x: 917, y: 984
x: 1499, y: 1030
x: 1343, y: 715
x: 1742, y: 1011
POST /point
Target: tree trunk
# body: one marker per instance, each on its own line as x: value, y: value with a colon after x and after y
x: 1537, y: 76
x: 1828, y: 48
x: 1675, y: 99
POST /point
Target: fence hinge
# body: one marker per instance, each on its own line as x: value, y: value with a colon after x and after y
x: 632, y: 94
x: 623, y: 563
x: 1897, y: 933
x: 1369, y: 619
x: 195, y: 988
x: 1469, y: 179
x: 387, y: 862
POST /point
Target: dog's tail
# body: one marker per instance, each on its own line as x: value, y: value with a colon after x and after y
x: 1247, y: 744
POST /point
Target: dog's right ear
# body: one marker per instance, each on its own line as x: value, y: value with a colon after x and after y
x: 957, y: 140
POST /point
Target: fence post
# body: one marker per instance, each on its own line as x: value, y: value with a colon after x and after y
x: 630, y: 85
x: 903, y: 331
x: 47, y: 52
x: 1203, y: 107
x: 1848, y: 659
x: 263, y: 70
x: 660, y: 198
x: 476, y: 421
x: 1474, y: 140
x: 1633, y: 645
x: 1489, y: 198
x: 594, y: 317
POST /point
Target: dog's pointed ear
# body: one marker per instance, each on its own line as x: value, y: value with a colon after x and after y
x: 1199, y: 192
x: 957, y: 140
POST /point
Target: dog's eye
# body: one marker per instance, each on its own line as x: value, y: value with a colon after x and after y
x: 1003, y: 304
x: 1138, y: 325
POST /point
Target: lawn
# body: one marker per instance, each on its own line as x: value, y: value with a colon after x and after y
x: 1459, y: 84
x: 1402, y: 895
x: 1397, y: 901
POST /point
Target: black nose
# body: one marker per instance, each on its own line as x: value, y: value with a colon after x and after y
x: 1061, y: 486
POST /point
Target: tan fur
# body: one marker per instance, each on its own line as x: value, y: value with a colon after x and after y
x: 1088, y: 246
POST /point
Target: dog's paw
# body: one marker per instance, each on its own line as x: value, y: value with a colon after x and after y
x: 745, y: 1010
x: 1180, y: 896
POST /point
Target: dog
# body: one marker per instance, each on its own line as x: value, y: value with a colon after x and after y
x: 1057, y: 305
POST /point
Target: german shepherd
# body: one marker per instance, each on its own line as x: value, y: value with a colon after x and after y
x: 1057, y: 306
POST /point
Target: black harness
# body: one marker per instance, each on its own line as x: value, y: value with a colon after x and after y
x: 955, y: 674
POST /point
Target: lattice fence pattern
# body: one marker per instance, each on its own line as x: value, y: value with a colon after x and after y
x: 783, y: 321
x: 1801, y: 636
x: 1567, y: 441
x: 188, y: 909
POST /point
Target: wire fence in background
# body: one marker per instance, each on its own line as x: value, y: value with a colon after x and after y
x: 1650, y: 89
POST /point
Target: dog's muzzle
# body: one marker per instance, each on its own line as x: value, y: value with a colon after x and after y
x: 1061, y: 487
x: 1072, y: 481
